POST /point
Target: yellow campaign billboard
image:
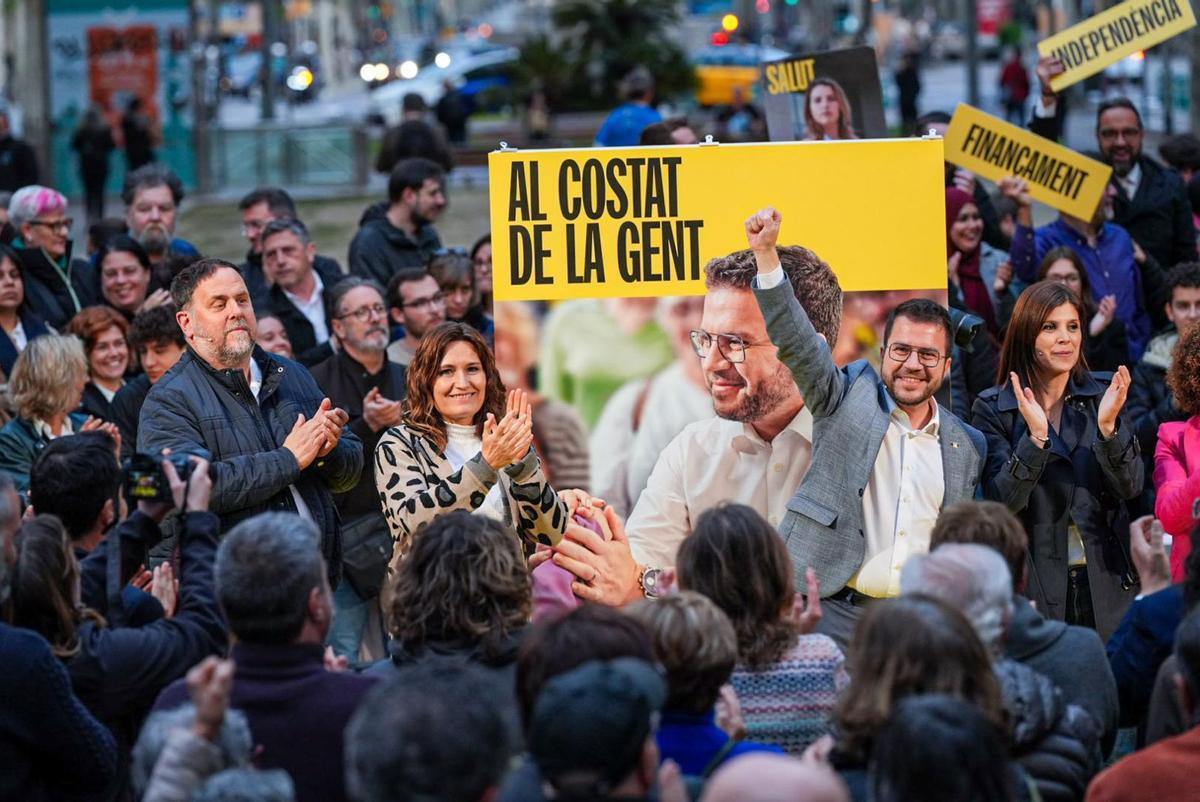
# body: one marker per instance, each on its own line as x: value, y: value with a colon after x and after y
x: 995, y: 149
x: 1125, y: 28
x: 642, y: 222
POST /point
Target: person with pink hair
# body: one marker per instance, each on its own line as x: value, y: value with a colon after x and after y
x: 57, y: 287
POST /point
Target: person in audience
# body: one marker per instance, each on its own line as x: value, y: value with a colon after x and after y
x: 158, y: 342
x: 45, y: 388
x: 57, y: 287
x: 299, y: 294
x: 768, y: 778
x: 455, y: 274
x: 400, y: 233
x: 481, y: 258
x: 1072, y: 657
x: 18, y: 322
x: 103, y: 333
x: 259, y: 208
x: 695, y: 642
x: 1062, y: 458
x: 414, y: 738
x: 117, y: 670
x: 51, y: 746
x: 273, y: 337
x: 1151, y: 403
x: 1166, y: 770
x: 272, y: 585
x: 1056, y: 744
x: 558, y: 434
x: 909, y: 647
x: 1177, y: 456
x: 908, y: 762
x: 416, y: 304
x: 787, y: 679
x: 1105, y: 346
x: 462, y: 445
x: 462, y: 595
x: 360, y: 380
x: 152, y: 194
x: 125, y: 277
x: 980, y: 276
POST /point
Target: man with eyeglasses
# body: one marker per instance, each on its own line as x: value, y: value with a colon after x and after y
x: 299, y: 294
x: 887, y: 457
x: 417, y: 304
x: 259, y: 208
x: 57, y: 287
x: 1152, y: 201
x: 1151, y: 402
x: 361, y: 380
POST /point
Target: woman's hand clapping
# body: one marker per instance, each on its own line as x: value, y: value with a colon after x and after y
x: 508, y: 441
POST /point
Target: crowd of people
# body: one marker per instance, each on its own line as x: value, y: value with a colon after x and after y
x: 271, y: 529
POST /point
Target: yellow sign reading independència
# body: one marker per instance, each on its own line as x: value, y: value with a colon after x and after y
x: 1087, y: 48
x: 995, y: 149
x: 639, y: 222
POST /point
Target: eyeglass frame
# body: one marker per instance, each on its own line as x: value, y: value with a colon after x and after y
x: 55, y: 225
x: 887, y: 350
x: 439, y: 298
x: 363, y: 313
x: 716, y: 338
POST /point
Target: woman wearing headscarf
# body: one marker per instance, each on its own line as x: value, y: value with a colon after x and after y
x: 980, y: 275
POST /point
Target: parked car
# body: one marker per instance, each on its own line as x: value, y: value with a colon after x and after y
x: 484, y: 79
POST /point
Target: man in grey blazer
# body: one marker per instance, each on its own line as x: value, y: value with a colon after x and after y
x: 886, y: 457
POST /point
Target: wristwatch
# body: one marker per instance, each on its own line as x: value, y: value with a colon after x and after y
x: 651, y: 582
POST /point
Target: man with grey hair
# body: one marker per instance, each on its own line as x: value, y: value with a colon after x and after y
x: 299, y: 291
x: 271, y: 584
x: 152, y: 194
x: 279, y: 443
x: 971, y: 578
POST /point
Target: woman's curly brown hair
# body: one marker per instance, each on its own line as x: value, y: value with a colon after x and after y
x: 1183, y: 377
x: 420, y: 412
x: 465, y: 580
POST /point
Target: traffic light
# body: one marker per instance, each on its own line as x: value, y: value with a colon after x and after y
x: 729, y: 23
x: 720, y: 38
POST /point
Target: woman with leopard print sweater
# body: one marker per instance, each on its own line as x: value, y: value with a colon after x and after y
x: 461, y: 445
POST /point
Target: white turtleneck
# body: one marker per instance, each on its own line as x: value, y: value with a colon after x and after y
x: 462, y: 444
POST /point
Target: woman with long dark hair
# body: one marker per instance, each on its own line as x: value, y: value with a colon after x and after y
x: 18, y: 323
x: 1061, y: 457
x: 827, y: 111
x: 463, y: 445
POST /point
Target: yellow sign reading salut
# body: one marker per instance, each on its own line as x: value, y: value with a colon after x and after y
x: 1087, y: 48
x: 639, y: 222
x: 790, y: 76
x: 995, y: 149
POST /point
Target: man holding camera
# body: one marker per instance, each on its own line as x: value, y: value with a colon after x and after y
x: 276, y: 442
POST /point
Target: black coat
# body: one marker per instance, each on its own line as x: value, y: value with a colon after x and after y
x: 126, y: 408
x: 196, y: 408
x: 256, y: 280
x: 345, y: 382
x: 34, y: 327
x: 49, y: 294
x: 379, y: 249
x: 300, y: 332
x: 94, y: 404
x: 1078, y: 478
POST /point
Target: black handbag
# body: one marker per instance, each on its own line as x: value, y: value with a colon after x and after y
x: 366, y: 551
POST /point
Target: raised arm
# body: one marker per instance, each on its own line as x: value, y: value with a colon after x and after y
x: 801, y: 348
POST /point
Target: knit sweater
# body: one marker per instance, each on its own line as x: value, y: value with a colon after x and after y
x: 789, y: 702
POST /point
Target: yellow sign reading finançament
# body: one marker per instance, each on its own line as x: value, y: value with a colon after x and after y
x: 995, y: 149
x: 1111, y: 35
x: 639, y: 222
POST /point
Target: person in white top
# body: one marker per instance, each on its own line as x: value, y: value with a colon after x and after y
x: 297, y: 296
x: 755, y: 452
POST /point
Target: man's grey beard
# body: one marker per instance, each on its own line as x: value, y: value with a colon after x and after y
x: 155, y: 240
x: 367, y: 345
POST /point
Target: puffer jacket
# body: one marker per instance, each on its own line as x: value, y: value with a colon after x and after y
x: 196, y: 408
x: 1054, y: 743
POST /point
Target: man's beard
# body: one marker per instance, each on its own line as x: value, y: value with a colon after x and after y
x: 155, y: 240
x: 762, y: 402
x: 369, y: 344
x: 230, y: 353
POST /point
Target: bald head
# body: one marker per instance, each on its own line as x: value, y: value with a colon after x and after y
x: 769, y: 778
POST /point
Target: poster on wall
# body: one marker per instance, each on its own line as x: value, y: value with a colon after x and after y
x: 108, y: 53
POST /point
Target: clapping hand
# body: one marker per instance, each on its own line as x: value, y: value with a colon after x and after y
x: 209, y: 684
x: 508, y: 441
x: 1004, y: 277
x: 1149, y: 555
x: 1031, y: 411
x: 1105, y: 312
x: 379, y: 412
x: 1113, y: 402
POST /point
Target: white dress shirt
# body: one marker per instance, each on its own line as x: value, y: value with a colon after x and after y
x: 1130, y: 181
x: 17, y: 335
x: 710, y: 462
x: 901, y: 502
x: 313, y: 309
x: 256, y: 380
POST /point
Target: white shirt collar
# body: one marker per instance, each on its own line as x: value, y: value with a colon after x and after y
x: 318, y: 288
x: 932, y: 427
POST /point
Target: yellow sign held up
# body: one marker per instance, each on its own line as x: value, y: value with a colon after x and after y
x: 639, y: 222
x: 995, y: 149
x: 1125, y: 28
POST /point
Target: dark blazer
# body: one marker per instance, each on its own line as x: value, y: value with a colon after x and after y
x: 94, y: 403
x: 34, y: 327
x: 345, y: 382
x: 256, y: 280
x: 297, y: 711
x: 850, y: 407
x: 1079, y: 478
x: 195, y: 408
x: 126, y: 408
x: 299, y: 330
x: 51, y: 296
